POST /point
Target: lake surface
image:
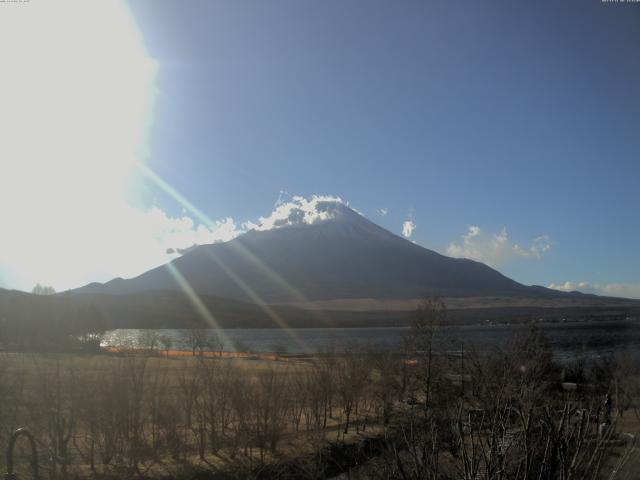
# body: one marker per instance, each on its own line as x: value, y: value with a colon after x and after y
x: 596, y: 338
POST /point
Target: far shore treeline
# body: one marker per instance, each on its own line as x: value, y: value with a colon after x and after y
x: 46, y: 321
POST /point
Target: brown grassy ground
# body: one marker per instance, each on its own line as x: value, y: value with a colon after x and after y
x: 29, y: 371
x: 23, y: 375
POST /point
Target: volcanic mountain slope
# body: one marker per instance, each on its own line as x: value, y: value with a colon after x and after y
x: 342, y: 256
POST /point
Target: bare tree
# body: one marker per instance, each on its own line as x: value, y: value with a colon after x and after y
x: 198, y: 340
x: 167, y: 342
x: 270, y: 408
x: 352, y: 379
x: 149, y: 340
x: 430, y: 314
x: 57, y: 392
x: 386, y: 386
x: 43, y: 290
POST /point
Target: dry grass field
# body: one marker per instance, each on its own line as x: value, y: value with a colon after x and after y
x: 410, y: 414
x: 157, y: 415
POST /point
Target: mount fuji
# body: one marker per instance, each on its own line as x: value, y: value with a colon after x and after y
x: 340, y: 255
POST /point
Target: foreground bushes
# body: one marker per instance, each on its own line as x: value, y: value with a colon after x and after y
x: 428, y: 415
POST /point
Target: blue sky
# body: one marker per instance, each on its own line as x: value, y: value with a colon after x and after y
x: 514, y: 124
x: 522, y: 115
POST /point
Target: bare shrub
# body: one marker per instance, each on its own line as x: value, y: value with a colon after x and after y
x: 352, y: 378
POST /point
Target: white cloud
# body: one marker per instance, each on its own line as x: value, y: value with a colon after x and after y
x: 298, y: 211
x: 383, y: 212
x: 66, y: 251
x: 73, y: 248
x: 281, y: 198
x: 124, y: 241
x: 183, y: 232
x: 495, y: 249
x: 539, y: 246
x: 408, y: 228
x: 626, y: 290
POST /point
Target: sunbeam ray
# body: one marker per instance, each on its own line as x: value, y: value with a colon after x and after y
x: 242, y: 250
x: 195, y: 300
x: 260, y: 302
x: 275, y: 277
x: 160, y: 182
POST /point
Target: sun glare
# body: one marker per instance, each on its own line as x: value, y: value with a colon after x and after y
x: 76, y: 104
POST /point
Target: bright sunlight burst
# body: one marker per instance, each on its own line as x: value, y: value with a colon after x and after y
x: 77, y: 94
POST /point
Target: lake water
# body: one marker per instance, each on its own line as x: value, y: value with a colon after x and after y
x: 596, y: 338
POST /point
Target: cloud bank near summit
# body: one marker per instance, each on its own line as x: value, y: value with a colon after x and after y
x: 298, y: 211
